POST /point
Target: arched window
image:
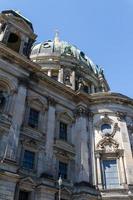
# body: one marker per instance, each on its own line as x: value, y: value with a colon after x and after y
x: 14, y: 42
x: 86, y: 88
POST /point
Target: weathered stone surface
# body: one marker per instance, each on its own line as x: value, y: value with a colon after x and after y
x: 59, y: 109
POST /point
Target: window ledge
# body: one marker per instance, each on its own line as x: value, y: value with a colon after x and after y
x: 114, y: 190
x: 64, y: 145
x: 27, y: 171
x: 34, y: 133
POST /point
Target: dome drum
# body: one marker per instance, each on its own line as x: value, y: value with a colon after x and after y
x: 67, y: 64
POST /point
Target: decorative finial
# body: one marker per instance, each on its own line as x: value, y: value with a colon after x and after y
x: 56, y: 38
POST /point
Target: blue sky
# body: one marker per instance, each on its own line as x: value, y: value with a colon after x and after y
x: 103, y: 29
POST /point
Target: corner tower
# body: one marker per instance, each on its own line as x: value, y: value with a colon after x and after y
x: 16, y: 32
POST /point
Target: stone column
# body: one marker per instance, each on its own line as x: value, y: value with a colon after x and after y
x: 128, y: 160
x: 81, y: 145
x: 122, y: 171
x: 50, y: 72
x: 60, y: 75
x: 6, y: 33
x: 99, y: 175
x: 18, y: 114
x: 50, y: 134
x: 23, y: 40
x: 92, y: 89
x: 72, y: 80
x: 92, y: 151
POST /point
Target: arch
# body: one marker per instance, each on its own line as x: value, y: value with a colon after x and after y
x: 7, y: 89
x: 64, y: 115
x: 14, y: 41
x: 10, y: 85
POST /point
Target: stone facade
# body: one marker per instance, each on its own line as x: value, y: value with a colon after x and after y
x: 58, y: 118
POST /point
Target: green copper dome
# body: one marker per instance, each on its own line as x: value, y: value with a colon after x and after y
x: 62, y: 48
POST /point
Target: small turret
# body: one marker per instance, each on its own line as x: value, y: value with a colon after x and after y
x: 16, y: 32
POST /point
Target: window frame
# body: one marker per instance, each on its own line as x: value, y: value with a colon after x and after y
x: 24, y: 191
x: 35, y: 160
x: 59, y: 172
x: 63, y: 135
x: 103, y: 172
x: 28, y: 120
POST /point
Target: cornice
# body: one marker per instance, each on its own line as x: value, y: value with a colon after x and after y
x: 32, y: 67
x: 105, y: 97
x: 15, y: 57
x: 89, y: 99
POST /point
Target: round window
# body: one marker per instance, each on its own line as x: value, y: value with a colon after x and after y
x: 106, y: 129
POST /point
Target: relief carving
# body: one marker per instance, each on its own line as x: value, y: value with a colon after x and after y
x: 108, y: 144
x: 81, y: 111
x: 120, y: 116
x: 51, y: 101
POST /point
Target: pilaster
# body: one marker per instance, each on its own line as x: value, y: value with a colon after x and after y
x: 81, y: 140
x: 92, y: 89
x: 99, y: 175
x: 18, y: 113
x: 60, y: 75
x: 128, y: 160
x: 50, y: 134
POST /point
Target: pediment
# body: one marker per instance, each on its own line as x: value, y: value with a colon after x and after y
x: 38, y: 101
x: 27, y: 180
x: 30, y: 143
x: 65, y: 116
x: 66, y: 190
x: 108, y: 144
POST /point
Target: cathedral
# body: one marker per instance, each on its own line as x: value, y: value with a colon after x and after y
x: 63, y: 134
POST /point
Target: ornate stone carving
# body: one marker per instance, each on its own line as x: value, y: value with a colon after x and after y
x: 130, y: 126
x: 68, y: 51
x: 30, y: 142
x: 115, y: 129
x: 81, y: 111
x: 51, y: 101
x: 80, y: 84
x: 108, y: 144
x: 65, y: 115
x: 107, y: 121
x: 120, y: 116
x: 90, y: 115
x: 67, y: 79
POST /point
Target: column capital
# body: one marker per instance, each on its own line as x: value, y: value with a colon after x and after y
x: 23, y: 81
x: 120, y: 116
x: 97, y: 155
x: 51, y: 101
x: 81, y: 111
x: 90, y: 115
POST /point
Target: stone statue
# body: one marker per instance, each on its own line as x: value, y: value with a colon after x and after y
x: 80, y: 84
x: 68, y: 50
